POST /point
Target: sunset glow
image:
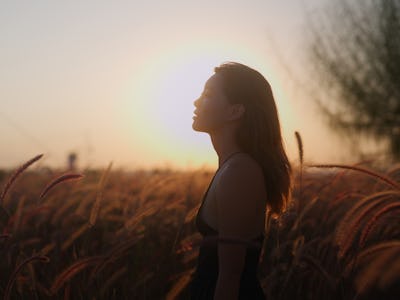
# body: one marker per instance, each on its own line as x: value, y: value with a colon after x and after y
x: 162, y: 107
x: 118, y: 82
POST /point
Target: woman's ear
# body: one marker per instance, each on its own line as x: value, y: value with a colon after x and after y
x: 236, y: 111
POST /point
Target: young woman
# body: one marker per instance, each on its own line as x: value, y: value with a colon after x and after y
x: 238, y: 111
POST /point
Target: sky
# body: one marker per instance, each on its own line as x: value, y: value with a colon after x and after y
x: 116, y: 80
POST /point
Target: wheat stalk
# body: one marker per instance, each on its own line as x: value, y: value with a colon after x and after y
x: 116, y: 252
x: 303, y: 212
x: 378, y: 196
x: 365, y: 255
x: 58, y: 180
x: 83, y: 205
x: 72, y: 270
x: 297, y: 246
x: 381, y: 177
x: 369, y: 276
x: 18, y: 214
x: 34, y: 212
x: 340, y: 197
x: 15, y: 175
x: 374, y: 218
x: 136, y: 219
x: 96, y: 206
x: 18, y: 269
x: 354, y: 216
x: 46, y: 249
x: 74, y: 236
x: 300, y: 146
x: 301, y: 154
x: 61, y: 210
x: 346, y: 239
x: 182, y: 282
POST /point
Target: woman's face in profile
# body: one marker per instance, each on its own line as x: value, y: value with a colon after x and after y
x: 211, y: 106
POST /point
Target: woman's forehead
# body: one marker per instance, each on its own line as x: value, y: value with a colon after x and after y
x: 214, y: 82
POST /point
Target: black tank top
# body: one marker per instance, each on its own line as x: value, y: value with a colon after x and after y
x: 205, y: 277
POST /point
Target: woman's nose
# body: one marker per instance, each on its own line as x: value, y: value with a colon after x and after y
x: 196, y: 102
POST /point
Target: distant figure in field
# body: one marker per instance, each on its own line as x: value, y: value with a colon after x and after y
x: 237, y: 109
x: 72, y: 161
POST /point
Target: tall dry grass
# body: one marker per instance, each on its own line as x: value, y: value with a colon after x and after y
x: 116, y: 235
x: 110, y: 235
x: 342, y: 242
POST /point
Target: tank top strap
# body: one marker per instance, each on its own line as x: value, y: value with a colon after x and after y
x: 216, y: 172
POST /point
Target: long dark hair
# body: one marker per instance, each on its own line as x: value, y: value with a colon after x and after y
x: 259, y: 133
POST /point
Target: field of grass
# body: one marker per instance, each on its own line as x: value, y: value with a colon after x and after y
x: 118, y: 235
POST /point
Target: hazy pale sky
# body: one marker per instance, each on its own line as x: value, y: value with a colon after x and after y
x: 116, y: 80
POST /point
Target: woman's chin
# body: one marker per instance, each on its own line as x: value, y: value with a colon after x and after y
x: 196, y: 126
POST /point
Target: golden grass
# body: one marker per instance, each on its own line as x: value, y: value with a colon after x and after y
x: 58, y: 180
x: 76, y: 234
x: 96, y: 206
x: 377, y: 175
x: 299, y: 146
x: 15, y: 175
x: 350, y: 225
x: 384, y: 264
x: 179, y: 285
x: 72, y: 270
x: 137, y: 232
x: 388, y: 208
x: 17, y: 270
x: 365, y: 255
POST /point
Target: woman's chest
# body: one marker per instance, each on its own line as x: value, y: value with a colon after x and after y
x: 209, y: 208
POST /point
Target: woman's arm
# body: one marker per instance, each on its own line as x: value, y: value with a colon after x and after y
x: 238, y: 200
x: 231, y: 262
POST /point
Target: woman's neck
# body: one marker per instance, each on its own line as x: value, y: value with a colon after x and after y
x: 224, y: 144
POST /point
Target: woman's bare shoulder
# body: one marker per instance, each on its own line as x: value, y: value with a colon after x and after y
x: 243, y: 164
x: 242, y: 172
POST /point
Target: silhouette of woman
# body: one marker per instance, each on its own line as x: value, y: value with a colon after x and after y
x: 237, y: 109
